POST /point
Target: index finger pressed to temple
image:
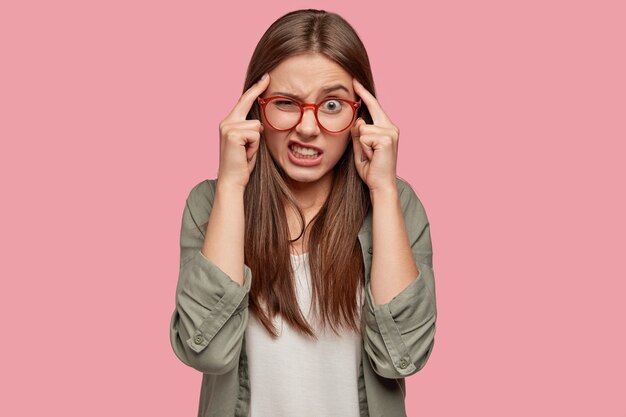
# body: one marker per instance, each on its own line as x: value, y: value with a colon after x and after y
x: 247, y: 99
x: 378, y: 114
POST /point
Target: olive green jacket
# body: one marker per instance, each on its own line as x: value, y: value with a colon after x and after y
x: 207, y: 328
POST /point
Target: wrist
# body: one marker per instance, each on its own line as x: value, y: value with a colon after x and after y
x: 384, y: 193
x: 226, y: 188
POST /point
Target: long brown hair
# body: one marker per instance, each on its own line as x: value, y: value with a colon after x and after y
x: 334, y: 251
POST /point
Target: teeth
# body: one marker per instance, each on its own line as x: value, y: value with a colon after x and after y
x: 303, y: 151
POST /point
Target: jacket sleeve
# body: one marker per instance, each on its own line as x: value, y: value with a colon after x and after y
x: 400, y: 335
x: 211, y: 309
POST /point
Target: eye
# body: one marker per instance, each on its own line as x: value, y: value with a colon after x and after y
x: 285, y: 104
x: 332, y: 105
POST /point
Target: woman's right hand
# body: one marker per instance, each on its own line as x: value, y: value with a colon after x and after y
x: 239, y: 139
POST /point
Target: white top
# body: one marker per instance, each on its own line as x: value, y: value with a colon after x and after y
x: 297, y: 376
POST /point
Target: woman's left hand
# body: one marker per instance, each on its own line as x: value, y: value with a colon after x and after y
x: 375, y: 146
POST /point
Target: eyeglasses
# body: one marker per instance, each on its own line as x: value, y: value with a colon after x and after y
x: 333, y: 115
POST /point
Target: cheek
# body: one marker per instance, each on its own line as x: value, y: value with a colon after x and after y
x: 341, y: 144
x: 274, y: 143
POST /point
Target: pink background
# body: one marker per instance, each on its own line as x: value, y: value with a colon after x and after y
x: 512, y: 118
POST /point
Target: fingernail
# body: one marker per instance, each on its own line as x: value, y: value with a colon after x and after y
x: 264, y: 76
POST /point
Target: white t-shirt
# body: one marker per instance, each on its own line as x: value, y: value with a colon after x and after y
x: 297, y: 376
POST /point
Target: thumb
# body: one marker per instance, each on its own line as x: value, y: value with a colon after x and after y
x: 355, y: 129
x: 356, y: 142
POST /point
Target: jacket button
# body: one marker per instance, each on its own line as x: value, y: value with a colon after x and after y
x: 198, y: 339
x: 370, y: 251
x: 403, y: 364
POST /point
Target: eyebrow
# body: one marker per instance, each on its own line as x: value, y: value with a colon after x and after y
x: 323, y: 90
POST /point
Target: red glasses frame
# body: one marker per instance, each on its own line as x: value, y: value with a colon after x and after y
x: 263, y: 101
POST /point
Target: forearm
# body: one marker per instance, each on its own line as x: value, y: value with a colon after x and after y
x: 224, y: 237
x: 393, y: 264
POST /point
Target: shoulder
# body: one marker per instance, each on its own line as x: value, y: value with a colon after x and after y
x: 411, y: 204
x: 200, y: 198
x: 407, y: 193
x: 417, y: 224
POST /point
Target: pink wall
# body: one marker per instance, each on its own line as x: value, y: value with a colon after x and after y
x: 512, y: 120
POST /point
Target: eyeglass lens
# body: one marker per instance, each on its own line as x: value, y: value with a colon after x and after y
x: 333, y: 114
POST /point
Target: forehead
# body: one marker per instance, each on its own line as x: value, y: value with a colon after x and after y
x: 305, y: 75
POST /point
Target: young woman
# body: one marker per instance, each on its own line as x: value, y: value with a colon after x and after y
x: 306, y: 285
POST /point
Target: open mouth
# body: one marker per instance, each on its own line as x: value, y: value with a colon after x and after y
x: 304, y: 152
x: 304, y: 156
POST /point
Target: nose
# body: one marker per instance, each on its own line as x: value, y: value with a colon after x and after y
x: 308, y: 124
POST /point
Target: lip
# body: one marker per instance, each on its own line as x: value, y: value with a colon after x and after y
x: 304, y: 162
x: 295, y: 142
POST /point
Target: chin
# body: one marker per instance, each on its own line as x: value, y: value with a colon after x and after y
x: 311, y: 177
x: 305, y: 175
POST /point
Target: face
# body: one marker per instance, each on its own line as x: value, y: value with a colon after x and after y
x: 305, y: 76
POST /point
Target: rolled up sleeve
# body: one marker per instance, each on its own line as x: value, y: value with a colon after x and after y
x: 211, y: 309
x: 400, y: 335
